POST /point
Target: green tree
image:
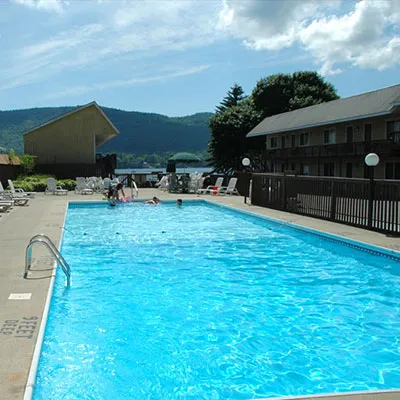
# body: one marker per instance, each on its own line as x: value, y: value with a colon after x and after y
x: 280, y: 93
x: 228, y: 144
x: 28, y: 163
x: 234, y: 96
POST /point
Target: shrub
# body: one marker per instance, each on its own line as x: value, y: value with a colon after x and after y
x: 68, y: 184
x: 38, y: 183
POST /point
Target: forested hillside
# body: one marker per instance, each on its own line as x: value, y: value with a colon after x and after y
x: 140, y: 133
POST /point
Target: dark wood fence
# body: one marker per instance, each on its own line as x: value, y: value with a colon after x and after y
x: 9, y: 172
x: 356, y: 202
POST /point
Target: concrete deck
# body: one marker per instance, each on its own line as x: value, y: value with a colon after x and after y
x: 20, y: 318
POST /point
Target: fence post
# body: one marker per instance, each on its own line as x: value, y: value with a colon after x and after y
x: 284, y: 193
x: 370, y: 200
x: 333, y: 201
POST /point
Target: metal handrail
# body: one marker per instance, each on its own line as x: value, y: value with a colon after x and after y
x: 57, y: 255
x: 133, y: 186
x: 42, y: 235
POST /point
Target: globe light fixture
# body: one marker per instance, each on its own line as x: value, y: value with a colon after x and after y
x: 246, y: 162
x: 371, y: 159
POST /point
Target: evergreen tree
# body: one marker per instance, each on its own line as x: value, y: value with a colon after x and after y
x: 233, y: 97
x: 228, y: 144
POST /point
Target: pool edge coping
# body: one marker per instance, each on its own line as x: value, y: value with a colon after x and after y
x: 362, y: 246
x: 30, y: 384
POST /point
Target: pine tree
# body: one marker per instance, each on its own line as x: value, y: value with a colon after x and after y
x: 233, y: 97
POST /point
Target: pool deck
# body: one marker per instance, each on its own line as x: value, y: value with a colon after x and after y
x: 20, y: 317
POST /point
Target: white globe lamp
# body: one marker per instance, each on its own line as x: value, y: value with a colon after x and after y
x: 246, y: 162
x: 371, y: 159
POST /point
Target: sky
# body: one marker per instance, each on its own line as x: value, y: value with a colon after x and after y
x: 181, y: 57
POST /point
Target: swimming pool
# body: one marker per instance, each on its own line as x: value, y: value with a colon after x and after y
x: 202, y: 302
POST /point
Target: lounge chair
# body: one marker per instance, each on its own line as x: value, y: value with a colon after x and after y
x: 230, y: 189
x: 212, y: 188
x: 20, y: 191
x: 8, y: 195
x: 53, y: 188
x: 82, y: 187
x: 5, y: 205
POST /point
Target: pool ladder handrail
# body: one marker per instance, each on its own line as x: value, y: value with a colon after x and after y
x: 134, y: 188
x: 46, y: 241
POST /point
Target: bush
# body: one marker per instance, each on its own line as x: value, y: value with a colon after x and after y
x: 68, y: 184
x: 38, y: 183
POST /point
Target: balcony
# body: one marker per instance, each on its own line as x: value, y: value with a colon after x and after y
x: 355, y: 149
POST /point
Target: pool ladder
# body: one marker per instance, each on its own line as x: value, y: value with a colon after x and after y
x: 46, y: 241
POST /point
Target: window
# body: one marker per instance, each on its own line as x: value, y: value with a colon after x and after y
x: 274, y: 142
x: 283, y: 142
x: 293, y: 140
x: 393, y: 130
x: 329, y: 169
x: 349, y: 170
x: 349, y: 134
x: 303, y: 139
x: 392, y: 171
x: 329, y: 136
x: 306, y: 170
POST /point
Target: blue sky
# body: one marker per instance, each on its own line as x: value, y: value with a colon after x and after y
x: 180, y: 57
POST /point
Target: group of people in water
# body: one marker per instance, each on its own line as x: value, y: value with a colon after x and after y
x: 115, y: 194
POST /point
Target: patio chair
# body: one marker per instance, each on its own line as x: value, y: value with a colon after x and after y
x: 53, y: 188
x: 82, y: 187
x: 20, y: 191
x: 230, y: 189
x: 212, y: 188
x: 8, y: 195
x: 163, y: 183
x: 5, y: 205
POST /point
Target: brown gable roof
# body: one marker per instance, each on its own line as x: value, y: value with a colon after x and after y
x: 5, y: 160
x: 93, y: 103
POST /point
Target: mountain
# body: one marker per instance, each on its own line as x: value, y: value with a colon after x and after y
x: 140, y: 133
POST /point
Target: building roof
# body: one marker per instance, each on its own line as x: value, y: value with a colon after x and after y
x: 5, y: 160
x: 93, y: 103
x: 371, y: 104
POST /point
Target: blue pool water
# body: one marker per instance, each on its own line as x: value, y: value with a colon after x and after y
x: 200, y: 302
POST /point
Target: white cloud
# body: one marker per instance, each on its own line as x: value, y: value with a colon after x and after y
x: 77, y: 90
x: 359, y: 37
x: 47, y: 5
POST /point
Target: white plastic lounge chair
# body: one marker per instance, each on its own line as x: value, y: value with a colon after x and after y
x: 163, y: 184
x: 230, y: 189
x: 5, y: 205
x: 53, y: 188
x: 8, y: 195
x: 107, y: 183
x: 81, y: 186
x: 212, y: 188
x: 20, y: 191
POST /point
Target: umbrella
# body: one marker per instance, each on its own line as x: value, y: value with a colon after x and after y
x: 184, y: 158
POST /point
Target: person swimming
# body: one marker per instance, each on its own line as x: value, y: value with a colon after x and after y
x: 154, y: 200
x: 179, y: 202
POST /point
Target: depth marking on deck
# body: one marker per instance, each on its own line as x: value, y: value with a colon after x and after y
x: 20, y: 296
x: 19, y: 328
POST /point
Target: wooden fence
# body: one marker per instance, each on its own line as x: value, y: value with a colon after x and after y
x: 9, y: 172
x: 363, y: 203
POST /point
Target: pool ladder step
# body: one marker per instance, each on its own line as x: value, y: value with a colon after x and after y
x: 46, y: 241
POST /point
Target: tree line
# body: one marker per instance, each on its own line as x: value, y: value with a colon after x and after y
x: 238, y: 114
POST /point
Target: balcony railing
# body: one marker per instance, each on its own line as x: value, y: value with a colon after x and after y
x: 355, y: 149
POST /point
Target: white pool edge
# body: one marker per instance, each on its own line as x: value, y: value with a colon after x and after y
x: 359, y: 244
x: 361, y: 395
x: 30, y: 384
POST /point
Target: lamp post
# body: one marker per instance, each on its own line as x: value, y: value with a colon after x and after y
x: 371, y: 160
x: 245, y: 163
